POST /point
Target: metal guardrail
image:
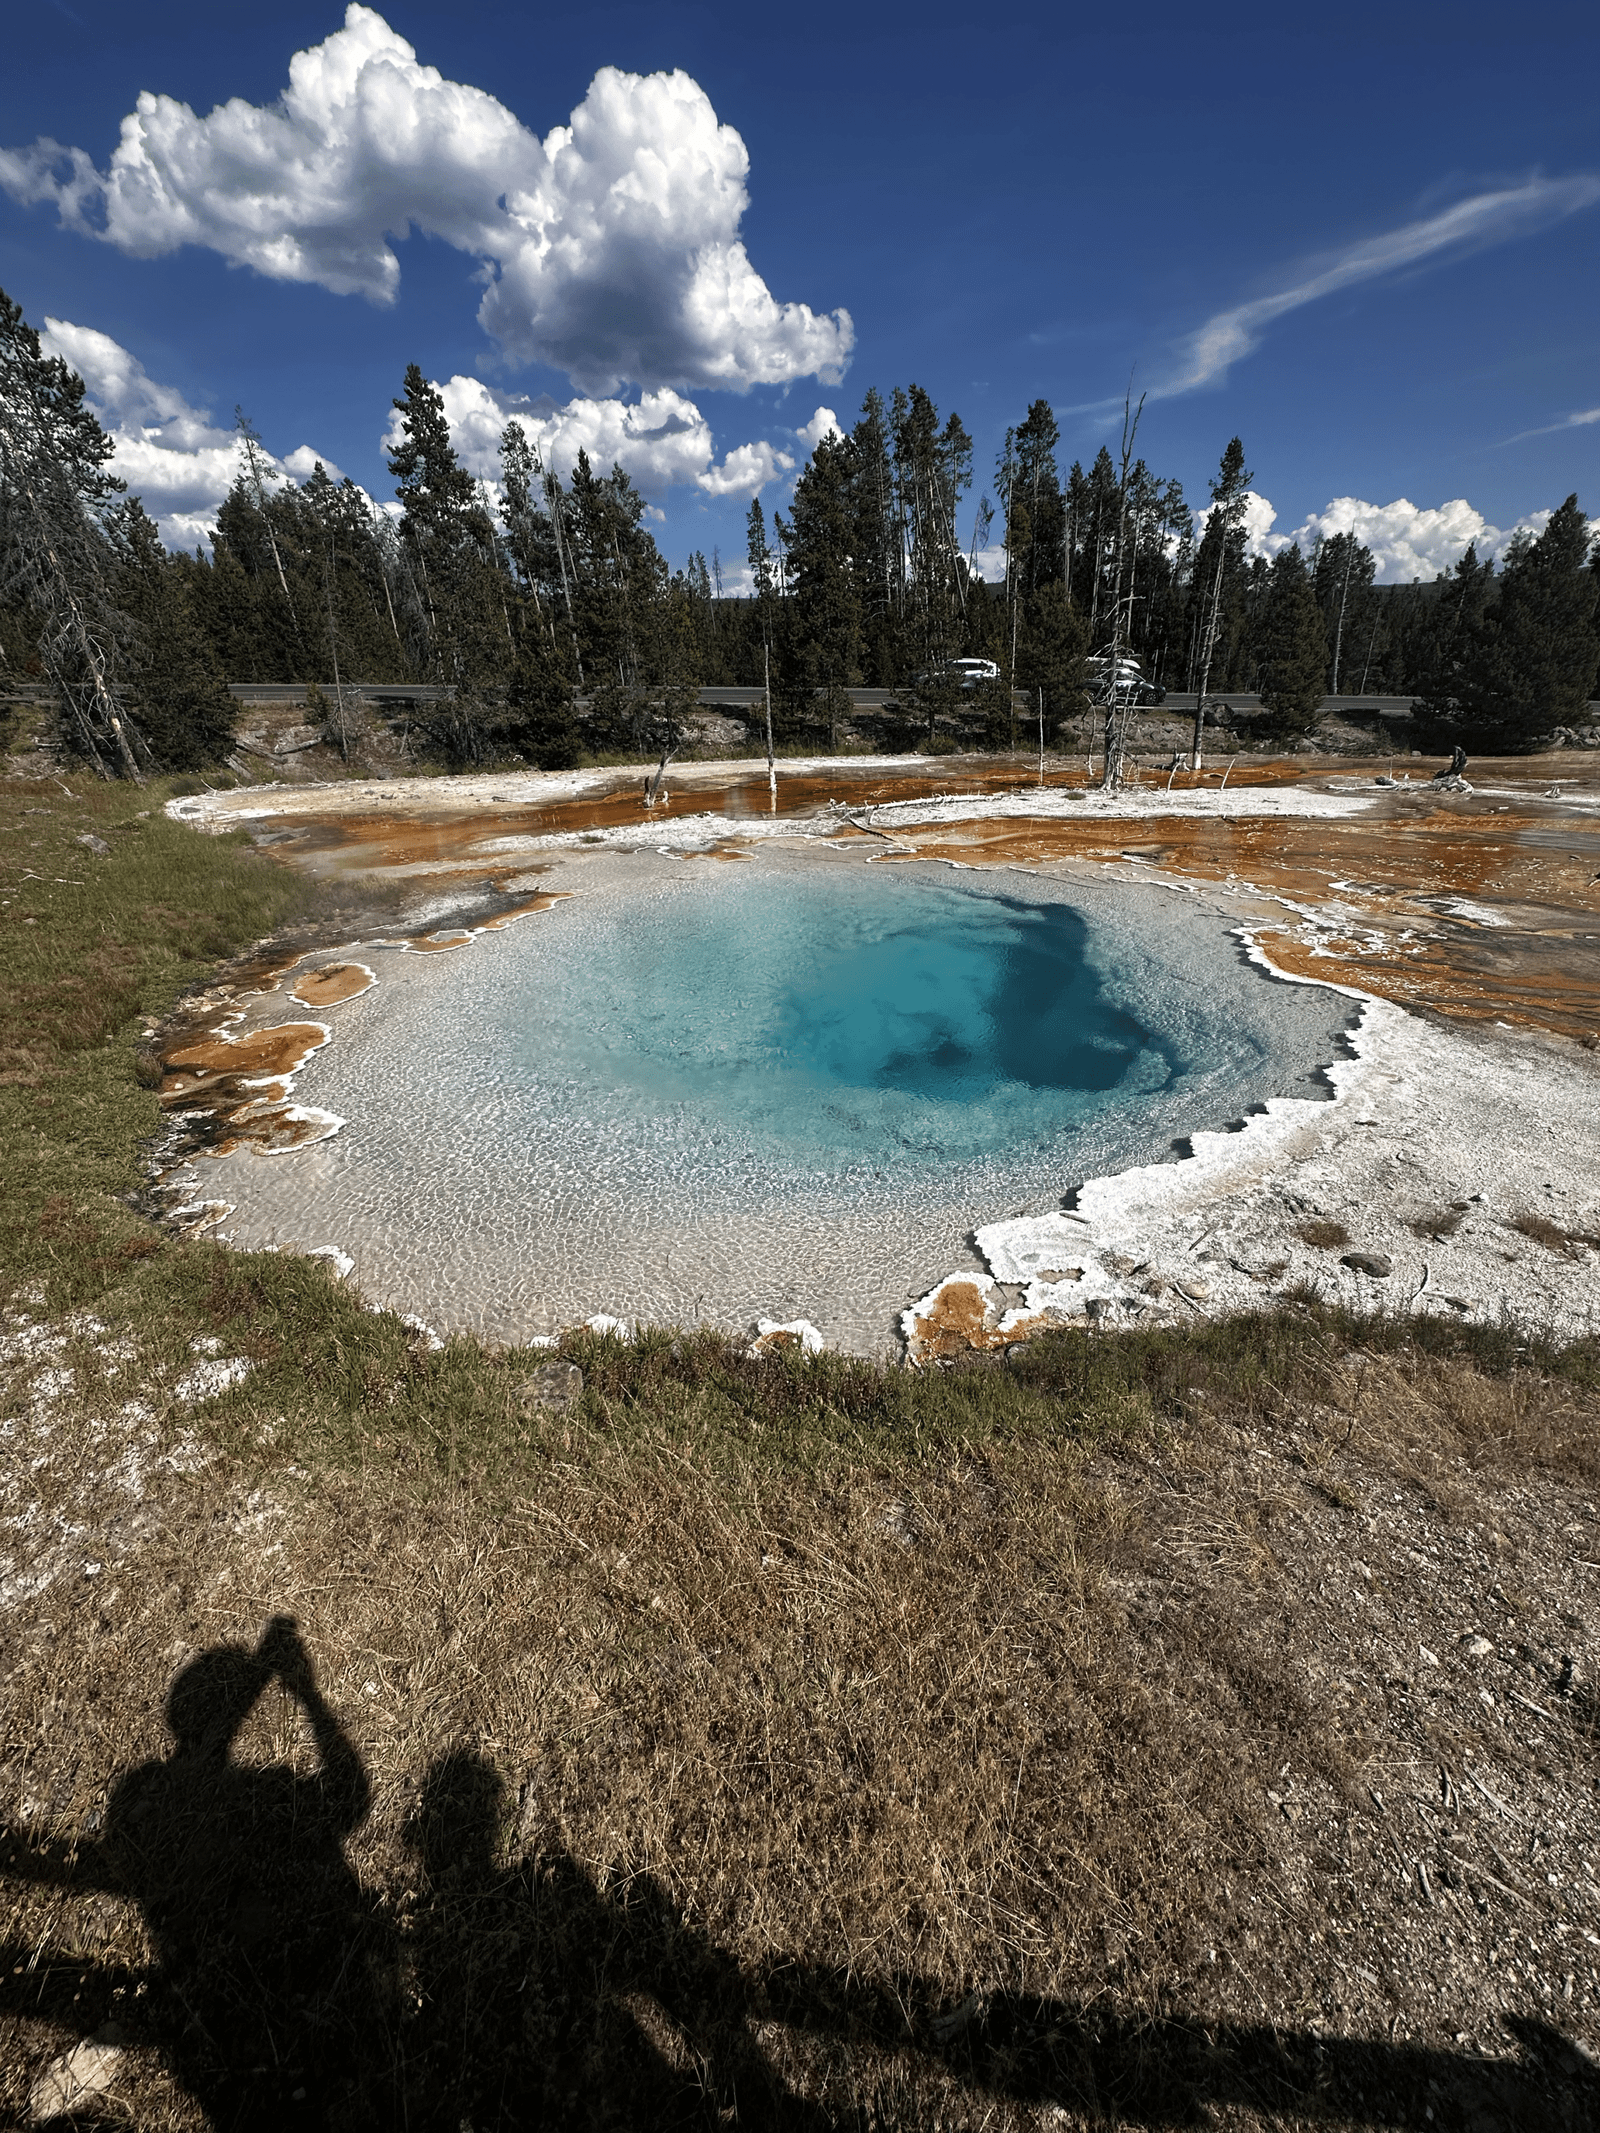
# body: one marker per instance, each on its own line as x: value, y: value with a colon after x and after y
x: 744, y: 696
x: 266, y: 693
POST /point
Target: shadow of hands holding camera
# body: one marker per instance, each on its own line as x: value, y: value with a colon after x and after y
x: 270, y: 1961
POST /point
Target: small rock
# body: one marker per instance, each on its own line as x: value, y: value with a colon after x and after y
x: 1372, y: 1264
x: 1196, y: 1291
x: 1120, y: 1263
x: 1478, y: 1647
x: 552, y: 1389
x: 93, y: 843
x: 67, y: 2083
x: 1098, y: 1306
x: 1432, y: 1658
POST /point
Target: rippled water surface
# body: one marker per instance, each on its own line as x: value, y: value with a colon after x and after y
x: 782, y: 1088
x: 843, y: 1027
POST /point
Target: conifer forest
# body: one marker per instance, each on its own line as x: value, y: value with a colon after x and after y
x: 553, y: 631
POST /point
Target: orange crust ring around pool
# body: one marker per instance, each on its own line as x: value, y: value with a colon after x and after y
x: 461, y: 839
x: 332, y: 985
x: 273, y: 1129
x: 437, y: 943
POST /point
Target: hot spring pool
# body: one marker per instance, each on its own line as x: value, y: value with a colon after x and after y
x: 786, y: 1088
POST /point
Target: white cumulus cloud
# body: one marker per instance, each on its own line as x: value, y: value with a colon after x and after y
x: 1486, y: 218
x: 1259, y: 520
x: 824, y: 423
x: 662, y: 439
x: 172, y: 455
x: 610, y: 248
x: 1407, y: 540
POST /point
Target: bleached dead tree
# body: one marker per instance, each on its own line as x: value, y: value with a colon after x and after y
x: 1120, y: 698
x: 54, y: 552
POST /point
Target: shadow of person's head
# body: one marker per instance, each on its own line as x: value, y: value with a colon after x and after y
x: 456, y: 1827
x: 212, y: 1697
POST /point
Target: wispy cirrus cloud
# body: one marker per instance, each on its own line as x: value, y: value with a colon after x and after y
x: 1580, y: 421
x: 1486, y: 218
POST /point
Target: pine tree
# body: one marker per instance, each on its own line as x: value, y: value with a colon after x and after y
x: 462, y: 633
x: 55, y: 496
x: 877, y: 548
x: 1533, y: 659
x: 538, y: 719
x: 1051, y: 650
x: 1292, y: 646
x: 180, y: 701
x: 1342, y: 575
x: 434, y: 488
x: 824, y: 649
x: 1216, y: 612
x: 1448, y: 648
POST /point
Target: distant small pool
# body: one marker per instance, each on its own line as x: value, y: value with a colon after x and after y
x: 789, y: 1087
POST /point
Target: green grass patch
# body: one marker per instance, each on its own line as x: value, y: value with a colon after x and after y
x: 94, y: 945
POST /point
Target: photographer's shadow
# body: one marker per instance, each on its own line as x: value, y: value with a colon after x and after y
x: 271, y: 1991
x: 544, y: 2000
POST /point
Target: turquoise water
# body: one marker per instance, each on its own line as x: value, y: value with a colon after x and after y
x: 786, y: 1088
x: 839, y: 1025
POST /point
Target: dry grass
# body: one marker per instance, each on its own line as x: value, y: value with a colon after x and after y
x: 1326, y: 1236
x: 732, y: 1733
x: 1539, y: 1229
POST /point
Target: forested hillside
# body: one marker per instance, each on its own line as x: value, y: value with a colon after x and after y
x: 542, y: 604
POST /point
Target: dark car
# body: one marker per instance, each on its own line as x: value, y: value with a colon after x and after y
x: 1130, y: 685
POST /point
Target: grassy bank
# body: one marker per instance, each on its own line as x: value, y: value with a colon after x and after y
x: 1164, y: 1724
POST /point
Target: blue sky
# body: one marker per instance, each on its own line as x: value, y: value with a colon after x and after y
x: 1364, y: 240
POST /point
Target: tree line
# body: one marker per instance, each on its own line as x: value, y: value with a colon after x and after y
x: 544, y: 613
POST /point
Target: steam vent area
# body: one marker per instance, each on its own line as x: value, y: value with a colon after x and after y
x: 914, y: 1057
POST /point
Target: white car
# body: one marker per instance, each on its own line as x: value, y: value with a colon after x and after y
x: 1130, y: 687
x: 966, y: 673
